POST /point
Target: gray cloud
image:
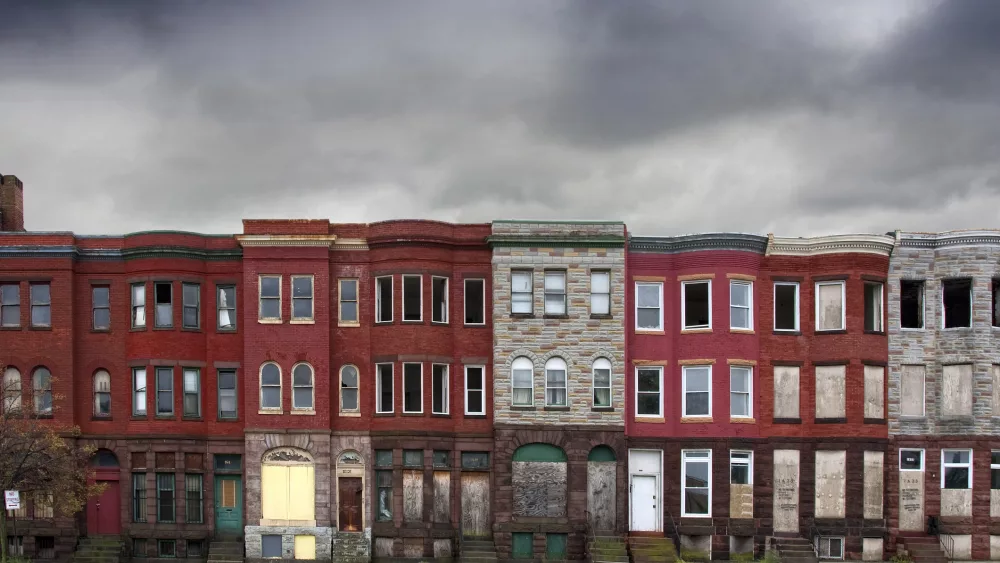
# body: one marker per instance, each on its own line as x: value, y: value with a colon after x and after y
x: 787, y: 116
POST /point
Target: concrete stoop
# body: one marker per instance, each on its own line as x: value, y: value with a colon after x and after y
x: 646, y: 549
x: 795, y: 550
x: 225, y: 551
x: 924, y: 549
x: 607, y: 549
x: 98, y: 549
x: 478, y: 551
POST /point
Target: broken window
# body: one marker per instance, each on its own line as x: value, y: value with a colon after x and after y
x: 994, y: 470
x: 696, y: 304
x: 911, y: 391
x: 439, y: 300
x: 163, y: 293
x: 830, y: 305
x: 740, y: 464
x: 555, y: 293
x: 956, y: 469
x: 911, y: 460
x: 383, y: 388
x: 830, y: 547
x: 413, y: 299
x: 475, y: 302
x: 956, y: 297
x: 956, y: 390
x: 873, y: 307
x: 995, y: 292
x: 911, y: 303
x: 786, y: 306
x: 413, y: 388
x: 439, y: 389
x: 383, y: 299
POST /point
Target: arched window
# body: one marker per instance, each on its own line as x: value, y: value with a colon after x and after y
x: 302, y: 386
x: 555, y: 383
x: 102, y: 393
x: 601, y: 453
x: 349, y: 389
x: 11, y: 389
x: 270, y: 386
x: 42, y: 390
x: 288, y: 487
x: 522, y: 373
x: 602, y: 382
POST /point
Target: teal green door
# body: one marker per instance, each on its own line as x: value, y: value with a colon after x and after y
x: 228, y: 505
x: 521, y: 547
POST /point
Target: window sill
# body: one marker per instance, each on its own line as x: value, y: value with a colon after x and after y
x: 602, y: 316
x: 302, y: 322
x: 42, y: 328
x: 741, y: 330
x: 782, y: 332
x: 696, y: 419
x: 192, y: 419
x: 834, y: 331
x: 557, y: 409
x: 383, y: 323
x: 915, y: 418
x: 137, y: 329
x: 522, y: 408
x: 97, y: 417
x: 269, y: 321
x: 966, y: 418
x: 412, y: 321
x: 350, y: 324
x: 474, y: 325
x: 602, y: 409
x: 476, y: 416
x: 914, y: 329
x: 559, y: 316
x: 696, y: 330
x: 18, y: 327
x: 874, y: 421
x: 190, y: 329
x: 413, y: 414
x: 138, y: 417
x: 43, y: 416
x: 650, y: 419
x: 304, y: 412
x: 100, y: 330
x: 742, y: 420
x: 956, y: 328
x: 833, y: 420
x: 163, y: 328
x: 786, y: 421
x: 384, y: 414
x: 522, y: 315
x: 225, y: 330
x: 649, y: 331
x: 228, y: 419
x: 269, y: 411
x: 350, y: 414
x: 440, y: 415
x: 878, y: 332
x: 440, y: 323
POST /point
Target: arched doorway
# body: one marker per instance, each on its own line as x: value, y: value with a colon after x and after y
x: 288, y: 488
x: 104, y: 511
x: 350, y: 492
x: 602, y: 484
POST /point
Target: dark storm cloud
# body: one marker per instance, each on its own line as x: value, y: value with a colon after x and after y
x: 800, y: 117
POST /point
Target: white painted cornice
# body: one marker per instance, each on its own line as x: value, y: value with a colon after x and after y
x: 343, y: 244
x: 833, y: 244
x: 286, y: 240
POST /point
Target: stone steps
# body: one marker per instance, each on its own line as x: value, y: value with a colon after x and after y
x: 477, y: 551
x: 98, y: 549
x: 795, y: 550
x: 225, y: 551
x: 607, y: 549
x: 924, y: 549
x: 644, y: 549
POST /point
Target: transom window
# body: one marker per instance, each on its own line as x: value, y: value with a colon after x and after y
x: 523, y: 380
x: 648, y: 306
x: 696, y: 472
x: 270, y: 386
x: 555, y: 292
x: 697, y: 383
x: 602, y: 382
x: 302, y: 387
x: 696, y: 304
x: 956, y: 468
x: 555, y: 383
x: 648, y: 400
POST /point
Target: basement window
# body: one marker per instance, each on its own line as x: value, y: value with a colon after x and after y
x: 439, y: 300
x: 873, y: 307
x: 956, y: 303
x: 163, y: 293
x: 830, y: 547
x: 270, y: 546
x: 166, y: 548
x: 383, y: 299
x: 413, y: 298
x: 911, y: 303
x: 786, y: 306
x: 696, y: 304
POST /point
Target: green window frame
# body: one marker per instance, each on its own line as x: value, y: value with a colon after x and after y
x: 138, y: 497
x: 165, y: 506
x: 195, y: 505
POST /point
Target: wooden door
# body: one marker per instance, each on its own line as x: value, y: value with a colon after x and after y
x: 104, y: 512
x: 476, y: 505
x: 602, y: 482
x: 350, y: 503
x: 228, y: 505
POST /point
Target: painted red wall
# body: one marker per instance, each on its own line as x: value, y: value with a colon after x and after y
x: 809, y: 347
x: 672, y: 347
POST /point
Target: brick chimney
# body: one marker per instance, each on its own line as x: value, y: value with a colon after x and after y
x: 11, y: 204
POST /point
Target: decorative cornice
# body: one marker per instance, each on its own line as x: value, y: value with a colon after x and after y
x: 550, y: 241
x: 696, y: 242
x: 344, y: 244
x: 972, y: 237
x: 286, y: 240
x: 444, y: 242
x: 116, y: 254
x: 834, y: 244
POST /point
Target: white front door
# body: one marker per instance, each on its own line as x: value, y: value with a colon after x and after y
x: 645, y: 502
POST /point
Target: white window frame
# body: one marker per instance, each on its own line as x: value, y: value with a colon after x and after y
x: 340, y: 302
x: 260, y: 299
x: 923, y: 458
x: 465, y: 302
x: 185, y: 392
x: 684, y: 370
x: 312, y: 299
x: 483, y: 390
x: 312, y: 387
x: 447, y: 300
x: 378, y: 388
x: 545, y: 372
x: 530, y: 292
x: 135, y: 391
x: 659, y: 379
x: 695, y: 459
x: 749, y: 307
x: 819, y: 546
x: 881, y: 303
x: 445, y: 399
x: 684, y: 285
x: 972, y: 310
x: 421, y: 364
x: 565, y: 292
x: 797, y: 306
x: 843, y: 304
x: 419, y: 277
x: 601, y: 363
x: 749, y: 391
x: 513, y: 388
x: 357, y: 388
x: 260, y: 386
x: 378, y: 300
x: 606, y: 273
x: 945, y: 465
x: 993, y: 467
x: 659, y: 327
x: 740, y: 461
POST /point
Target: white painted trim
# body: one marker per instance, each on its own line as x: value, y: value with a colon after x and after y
x: 483, y: 391
x: 684, y: 369
x: 378, y: 387
x: 421, y: 364
x: 749, y: 307
x: 945, y: 465
x: 684, y: 462
x: 774, y: 312
x: 610, y: 387
x: 658, y: 475
x: 447, y: 300
x: 637, y: 327
x: 286, y: 240
x: 420, y: 278
x: 378, y: 301
x: 636, y: 394
x: 512, y: 388
x: 545, y: 381
x: 446, y: 399
x: 923, y: 458
x: 684, y: 285
x: 750, y: 394
x: 843, y: 304
x: 465, y: 290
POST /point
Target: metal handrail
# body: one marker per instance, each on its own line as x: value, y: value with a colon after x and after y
x: 813, y: 536
x: 948, y: 547
x: 676, y: 534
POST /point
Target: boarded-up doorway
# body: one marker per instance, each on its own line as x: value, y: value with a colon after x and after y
x: 602, y: 483
x: 476, y: 505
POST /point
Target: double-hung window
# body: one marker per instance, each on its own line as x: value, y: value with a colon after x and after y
x: 102, y: 393
x: 697, y: 392
x: 830, y: 306
x: 269, y: 299
x: 348, y: 296
x: 413, y: 298
x: 138, y: 497
x: 786, y: 306
x: 191, y: 314
x: 555, y: 292
x: 555, y: 383
x: 227, y: 394
x: 873, y: 307
x: 521, y: 293
x: 42, y: 391
x: 956, y: 469
x: 648, y: 306
x: 383, y: 299
x: 138, y: 305
x: 349, y: 389
x: 413, y: 388
x: 383, y: 391
x: 163, y: 296
x: 100, y: 302
x: 194, y: 498
x: 475, y: 301
x: 696, y: 304
x: 696, y: 475
x: 192, y: 392
x: 740, y: 391
x: 648, y: 396
x: 602, y: 383
x: 164, y: 391
x: 740, y: 467
x: 10, y: 305
x: 139, y: 391
x: 439, y: 389
x: 522, y: 372
x: 226, y: 307
x: 439, y: 299
x: 270, y: 387
x: 302, y: 298
x: 600, y: 293
x: 302, y: 387
x: 741, y: 304
x: 475, y: 390
x: 165, y: 497
x: 41, y: 304
x: 383, y: 485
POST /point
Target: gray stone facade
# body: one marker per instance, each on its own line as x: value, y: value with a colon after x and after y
x: 578, y: 337
x: 933, y: 258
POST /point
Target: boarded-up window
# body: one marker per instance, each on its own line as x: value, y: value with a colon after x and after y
x: 786, y: 392
x: 873, y: 484
x: 830, y: 483
x: 830, y: 391
x: 995, y: 373
x: 956, y: 390
x: 442, y: 497
x: 830, y: 305
x: 413, y: 495
x: 165, y: 459
x: 911, y: 391
x: 539, y: 481
x: 874, y: 392
x: 194, y: 461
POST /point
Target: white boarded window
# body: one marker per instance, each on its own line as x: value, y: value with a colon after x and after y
x: 602, y: 382
x: 786, y: 392
x: 741, y: 304
x: 740, y: 391
x: 831, y: 480
x: 911, y: 390
x: 522, y: 373
x: 555, y: 383
x: 830, y: 306
x: 697, y: 390
x: 830, y: 389
x: 956, y: 390
x: 874, y: 392
x: 648, y: 306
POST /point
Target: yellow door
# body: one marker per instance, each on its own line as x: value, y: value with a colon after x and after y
x: 305, y: 547
x: 301, y: 493
x: 274, y: 492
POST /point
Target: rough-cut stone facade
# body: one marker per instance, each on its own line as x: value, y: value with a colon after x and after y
x: 579, y: 338
x: 959, y: 408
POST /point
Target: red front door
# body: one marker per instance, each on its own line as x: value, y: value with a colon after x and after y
x: 104, y: 511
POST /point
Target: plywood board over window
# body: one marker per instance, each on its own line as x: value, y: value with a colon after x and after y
x: 786, y: 392
x: 830, y: 391
x: 874, y: 392
x: 911, y: 391
x: 956, y: 390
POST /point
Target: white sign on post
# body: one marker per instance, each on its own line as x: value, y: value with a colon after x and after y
x: 12, y: 500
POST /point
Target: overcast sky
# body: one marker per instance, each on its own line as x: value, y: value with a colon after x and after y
x: 788, y: 116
